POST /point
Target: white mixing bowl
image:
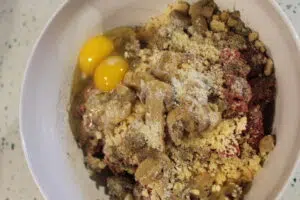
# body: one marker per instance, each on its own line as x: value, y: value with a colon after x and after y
x: 53, y: 157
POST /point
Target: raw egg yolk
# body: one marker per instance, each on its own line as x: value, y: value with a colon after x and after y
x: 93, y: 52
x: 110, y: 73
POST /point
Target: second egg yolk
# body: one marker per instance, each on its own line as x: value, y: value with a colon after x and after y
x: 110, y: 73
x: 93, y: 52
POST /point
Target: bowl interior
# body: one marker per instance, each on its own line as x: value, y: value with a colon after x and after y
x: 53, y: 156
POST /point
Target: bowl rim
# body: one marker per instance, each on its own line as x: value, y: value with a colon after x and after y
x: 22, y: 94
x: 273, y: 3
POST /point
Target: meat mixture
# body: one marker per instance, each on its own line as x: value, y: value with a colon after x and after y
x: 192, y: 117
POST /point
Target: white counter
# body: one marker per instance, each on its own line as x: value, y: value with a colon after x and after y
x: 21, y: 21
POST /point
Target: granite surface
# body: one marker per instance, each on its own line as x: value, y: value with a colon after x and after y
x: 21, y: 21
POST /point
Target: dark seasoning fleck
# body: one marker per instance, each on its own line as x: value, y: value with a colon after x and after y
x: 12, y: 146
x: 293, y: 8
x: 2, y: 141
x: 289, y: 6
x: 2, y: 11
x: 294, y: 182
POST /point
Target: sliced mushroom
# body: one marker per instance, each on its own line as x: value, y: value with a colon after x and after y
x: 267, y: 144
x: 203, y: 184
x: 121, y: 36
x: 200, y: 24
x: 148, y: 171
x: 165, y: 65
x: 185, y: 124
x: 199, y: 12
x: 136, y: 79
x: 119, y: 188
x: 157, y: 93
x: 116, y: 112
x: 180, y: 19
x: 202, y: 8
x: 180, y: 6
x: 175, y: 125
x: 269, y: 67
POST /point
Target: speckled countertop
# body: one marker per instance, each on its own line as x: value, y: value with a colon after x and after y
x: 21, y: 21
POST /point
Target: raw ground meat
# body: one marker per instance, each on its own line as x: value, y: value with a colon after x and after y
x: 255, y: 128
